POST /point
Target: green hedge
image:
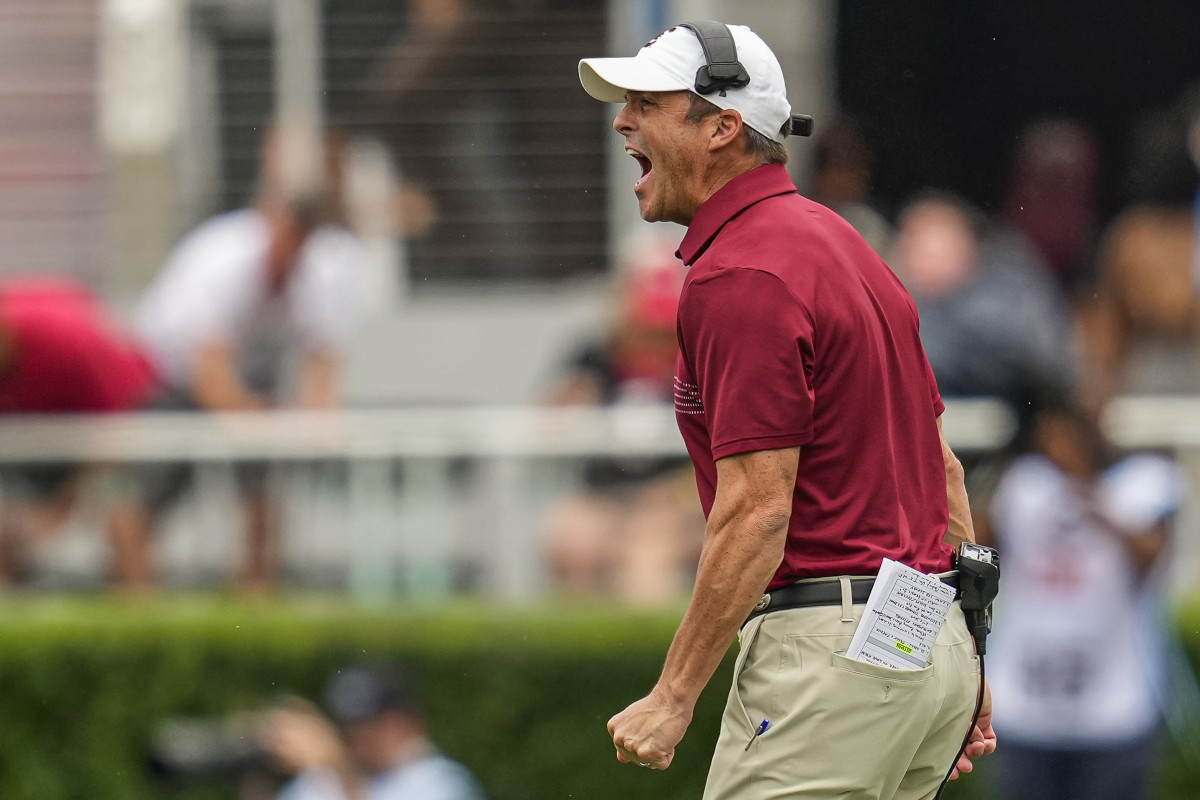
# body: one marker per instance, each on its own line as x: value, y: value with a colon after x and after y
x: 520, y: 696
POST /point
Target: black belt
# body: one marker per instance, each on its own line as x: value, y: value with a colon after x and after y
x: 828, y: 592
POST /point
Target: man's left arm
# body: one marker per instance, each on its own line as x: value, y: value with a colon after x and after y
x: 743, y: 547
x: 960, y: 527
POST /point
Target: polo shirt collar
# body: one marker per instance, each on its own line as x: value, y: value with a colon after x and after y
x: 731, y: 199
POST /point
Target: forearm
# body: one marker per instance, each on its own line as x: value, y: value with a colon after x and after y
x: 959, y: 527
x: 216, y: 386
x: 1144, y: 550
x: 1142, y: 547
x: 320, y: 379
x: 228, y: 397
x: 302, y: 741
x: 742, y: 551
x: 743, y: 546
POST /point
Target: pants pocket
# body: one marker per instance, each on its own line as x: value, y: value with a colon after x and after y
x: 747, y: 637
x: 866, y: 692
x: 838, y: 660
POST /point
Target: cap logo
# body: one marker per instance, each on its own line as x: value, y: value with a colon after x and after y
x: 656, y: 38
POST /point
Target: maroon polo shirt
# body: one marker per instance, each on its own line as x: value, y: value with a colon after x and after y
x: 793, y: 332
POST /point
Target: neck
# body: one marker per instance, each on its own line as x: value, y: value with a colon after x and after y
x: 721, y: 173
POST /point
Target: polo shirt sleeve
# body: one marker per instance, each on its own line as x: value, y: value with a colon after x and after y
x: 750, y: 346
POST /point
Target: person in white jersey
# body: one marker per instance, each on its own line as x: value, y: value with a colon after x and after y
x: 1075, y: 652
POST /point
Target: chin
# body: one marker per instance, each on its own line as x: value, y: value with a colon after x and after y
x: 649, y: 213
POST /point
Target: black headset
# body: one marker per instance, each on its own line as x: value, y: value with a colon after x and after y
x: 722, y: 70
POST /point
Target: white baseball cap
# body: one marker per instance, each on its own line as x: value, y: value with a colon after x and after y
x: 669, y: 62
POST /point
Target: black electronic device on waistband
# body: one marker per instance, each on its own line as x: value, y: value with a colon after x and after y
x: 978, y: 583
x: 723, y: 71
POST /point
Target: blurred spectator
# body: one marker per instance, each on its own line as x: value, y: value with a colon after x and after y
x: 376, y: 748
x: 841, y: 179
x: 1140, y: 332
x: 1075, y: 662
x: 1051, y: 198
x: 60, y: 352
x: 992, y: 322
x: 633, y: 528
x: 240, y: 300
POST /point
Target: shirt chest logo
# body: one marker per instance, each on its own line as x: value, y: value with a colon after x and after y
x: 687, y: 398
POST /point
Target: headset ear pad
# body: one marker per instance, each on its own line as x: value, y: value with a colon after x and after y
x: 707, y: 83
x: 801, y: 125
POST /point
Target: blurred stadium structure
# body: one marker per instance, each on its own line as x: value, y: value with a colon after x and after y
x: 51, y: 173
x: 125, y: 122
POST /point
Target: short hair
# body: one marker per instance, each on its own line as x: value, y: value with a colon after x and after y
x: 765, y: 149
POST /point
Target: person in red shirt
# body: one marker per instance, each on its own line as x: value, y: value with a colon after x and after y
x: 59, y: 353
x: 813, y: 420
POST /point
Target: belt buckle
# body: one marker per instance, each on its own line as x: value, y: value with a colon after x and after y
x: 763, y: 603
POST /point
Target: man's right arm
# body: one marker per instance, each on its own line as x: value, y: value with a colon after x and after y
x: 960, y: 528
x: 744, y: 544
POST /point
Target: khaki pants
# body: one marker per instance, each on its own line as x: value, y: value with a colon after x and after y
x: 840, y: 728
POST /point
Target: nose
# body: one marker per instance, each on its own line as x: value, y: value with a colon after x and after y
x: 623, y: 122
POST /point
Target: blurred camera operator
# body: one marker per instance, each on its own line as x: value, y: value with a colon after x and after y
x: 375, y: 746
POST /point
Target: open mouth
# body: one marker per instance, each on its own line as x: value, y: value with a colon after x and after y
x: 643, y: 162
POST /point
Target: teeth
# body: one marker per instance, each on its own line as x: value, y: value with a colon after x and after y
x: 629, y: 151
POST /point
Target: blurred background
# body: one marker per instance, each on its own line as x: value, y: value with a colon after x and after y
x: 343, y: 307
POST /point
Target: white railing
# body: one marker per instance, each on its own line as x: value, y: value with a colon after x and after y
x: 473, y: 480
x: 512, y: 432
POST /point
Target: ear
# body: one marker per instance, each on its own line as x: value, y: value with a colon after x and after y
x: 727, y: 128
